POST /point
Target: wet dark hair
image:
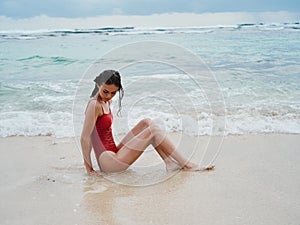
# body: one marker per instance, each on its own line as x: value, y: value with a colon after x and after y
x: 109, y: 77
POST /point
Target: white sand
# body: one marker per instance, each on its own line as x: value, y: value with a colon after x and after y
x: 256, y: 181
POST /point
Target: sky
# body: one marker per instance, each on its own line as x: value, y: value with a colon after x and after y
x: 92, y: 8
x: 62, y: 14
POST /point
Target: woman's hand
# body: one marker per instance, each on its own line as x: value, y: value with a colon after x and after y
x: 93, y: 173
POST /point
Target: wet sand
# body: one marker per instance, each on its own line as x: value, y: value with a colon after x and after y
x: 256, y: 181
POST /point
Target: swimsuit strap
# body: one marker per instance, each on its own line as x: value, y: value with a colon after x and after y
x: 100, y: 105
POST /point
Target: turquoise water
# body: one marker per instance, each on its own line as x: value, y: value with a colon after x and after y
x: 256, y: 67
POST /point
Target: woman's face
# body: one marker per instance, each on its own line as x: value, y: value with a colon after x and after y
x: 107, y: 91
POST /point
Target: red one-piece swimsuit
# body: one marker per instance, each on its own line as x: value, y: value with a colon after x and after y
x: 102, y: 138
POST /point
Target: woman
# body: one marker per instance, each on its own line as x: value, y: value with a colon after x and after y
x: 97, y: 133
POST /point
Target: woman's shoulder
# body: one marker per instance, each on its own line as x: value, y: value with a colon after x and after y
x: 95, y: 105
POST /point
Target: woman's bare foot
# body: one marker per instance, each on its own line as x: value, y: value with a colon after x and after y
x: 212, y: 167
x: 191, y: 167
x: 195, y: 167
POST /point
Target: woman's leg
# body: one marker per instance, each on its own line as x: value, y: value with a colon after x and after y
x: 135, y: 142
x: 143, y: 124
x: 130, y: 149
x: 168, y: 152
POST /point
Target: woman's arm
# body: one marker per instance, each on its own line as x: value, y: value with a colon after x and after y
x: 92, y: 112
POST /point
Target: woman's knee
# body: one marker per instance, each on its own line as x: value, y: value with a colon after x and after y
x: 151, y: 129
x: 146, y: 122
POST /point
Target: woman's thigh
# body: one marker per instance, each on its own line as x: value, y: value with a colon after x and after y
x: 127, y: 153
x: 116, y: 162
x: 109, y: 162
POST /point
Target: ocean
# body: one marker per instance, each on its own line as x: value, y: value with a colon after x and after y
x: 253, y: 71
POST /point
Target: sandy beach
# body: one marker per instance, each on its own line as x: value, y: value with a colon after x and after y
x: 43, y: 181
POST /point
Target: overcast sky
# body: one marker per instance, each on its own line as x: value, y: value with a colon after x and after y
x: 92, y: 8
